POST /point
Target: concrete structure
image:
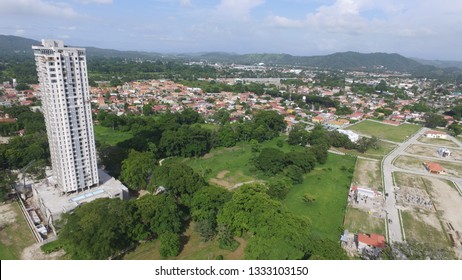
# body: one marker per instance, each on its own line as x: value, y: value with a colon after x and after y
x: 52, y: 202
x: 62, y: 73
x: 435, y: 134
x: 444, y: 152
x: 354, y: 137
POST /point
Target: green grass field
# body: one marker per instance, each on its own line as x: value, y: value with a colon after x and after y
x: 229, y: 166
x: 357, y: 220
x: 109, y: 136
x: 417, y: 230
x: 329, y: 185
x: 384, y: 149
x: 385, y: 131
x: 14, y: 237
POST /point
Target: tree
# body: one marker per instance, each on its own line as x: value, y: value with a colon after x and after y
x: 158, y: 214
x: 295, y: 173
x: 433, y: 120
x: 169, y: 244
x: 98, y: 229
x: 279, y: 187
x: 382, y: 86
x: 7, y: 181
x: 206, y: 204
x: 455, y: 128
x: 137, y: 169
x: 271, y: 121
x: 271, y: 161
x: 179, y: 180
x: 298, y: 136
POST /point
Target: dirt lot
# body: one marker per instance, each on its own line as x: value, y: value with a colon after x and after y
x: 442, y: 142
x: 445, y: 215
x: 368, y: 174
x: 7, y: 215
x: 429, y: 151
x: 417, y: 164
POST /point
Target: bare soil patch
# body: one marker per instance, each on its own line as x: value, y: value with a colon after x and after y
x: 222, y: 174
x: 7, y: 215
x: 35, y: 253
x: 367, y: 174
x: 222, y: 183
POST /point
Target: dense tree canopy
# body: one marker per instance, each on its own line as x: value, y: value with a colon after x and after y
x: 137, y: 169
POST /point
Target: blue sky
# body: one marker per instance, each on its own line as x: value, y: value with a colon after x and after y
x: 429, y: 29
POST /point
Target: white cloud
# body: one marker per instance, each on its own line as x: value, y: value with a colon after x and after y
x: 36, y: 7
x: 185, y: 3
x: 238, y: 8
x: 95, y: 1
x: 70, y: 28
x: 19, y: 32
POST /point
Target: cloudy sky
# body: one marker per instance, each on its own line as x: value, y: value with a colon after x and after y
x: 429, y: 29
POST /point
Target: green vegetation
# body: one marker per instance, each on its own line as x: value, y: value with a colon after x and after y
x: 110, y: 136
x: 329, y: 184
x: 357, y: 220
x: 385, y: 131
x: 383, y: 149
x: 15, y: 235
x: 418, y: 231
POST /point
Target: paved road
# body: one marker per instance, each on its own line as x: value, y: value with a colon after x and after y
x: 394, y: 227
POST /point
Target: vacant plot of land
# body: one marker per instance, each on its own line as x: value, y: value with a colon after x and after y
x: 328, y: 184
x: 440, y: 142
x: 368, y: 174
x: 412, y: 163
x: 357, y: 221
x: 194, y: 249
x: 385, y: 131
x: 421, y: 227
x: 14, y: 232
x: 109, y: 136
x: 431, y: 151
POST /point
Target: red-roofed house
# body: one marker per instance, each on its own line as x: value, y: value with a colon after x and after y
x: 356, y: 116
x: 434, y: 168
x: 369, y: 240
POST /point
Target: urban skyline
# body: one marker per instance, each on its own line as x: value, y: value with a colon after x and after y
x: 425, y: 29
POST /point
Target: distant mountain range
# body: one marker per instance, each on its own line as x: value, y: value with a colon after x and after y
x: 13, y: 46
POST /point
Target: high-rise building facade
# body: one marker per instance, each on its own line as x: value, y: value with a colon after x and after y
x: 62, y: 73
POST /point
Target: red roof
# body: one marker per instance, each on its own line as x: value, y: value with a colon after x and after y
x: 434, y: 167
x: 435, y: 132
x: 373, y: 239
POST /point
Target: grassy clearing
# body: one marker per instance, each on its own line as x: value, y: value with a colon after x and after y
x: 385, y: 131
x: 229, y: 166
x: 109, y: 136
x: 383, y: 150
x: 15, y: 236
x: 329, y: 185
x: 357, y: 220
x: 368, y: 173
x: 417, y: 230
x: 194, y: 249
x: 442, y: 142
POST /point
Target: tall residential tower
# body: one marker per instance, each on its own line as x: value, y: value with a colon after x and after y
x: 62, y: 73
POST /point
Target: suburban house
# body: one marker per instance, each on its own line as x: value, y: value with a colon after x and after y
x: 436, y: 134
x: 372, y: 240
x: 434, y: 168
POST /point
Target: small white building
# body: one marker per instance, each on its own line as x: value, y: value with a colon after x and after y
x: 351, y: 135
x: 435, y: 134
x: 444, y: 152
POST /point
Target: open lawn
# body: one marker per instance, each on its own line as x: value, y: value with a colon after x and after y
x: 109, y: 136
x: 385, y: 131
x: 357, y: 220
x: 230, y: 166
x: 193, y: 249
x: 328, y: 184
x: 15, y: 235
x: 441, y: 142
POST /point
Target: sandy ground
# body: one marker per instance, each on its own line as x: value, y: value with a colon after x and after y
x: 35, y: 253
x: 456, y: 154
x: 367, y: 174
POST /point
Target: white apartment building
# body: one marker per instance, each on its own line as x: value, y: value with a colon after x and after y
x: 62, y: 73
